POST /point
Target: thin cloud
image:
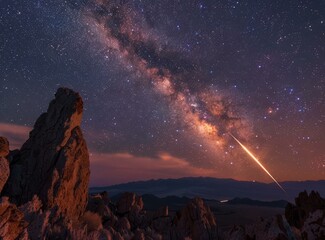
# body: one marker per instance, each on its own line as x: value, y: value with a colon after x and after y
x: 16, y: 134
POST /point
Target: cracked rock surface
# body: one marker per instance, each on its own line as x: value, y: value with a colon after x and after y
x: 54, y: 162
x: 4, y: 164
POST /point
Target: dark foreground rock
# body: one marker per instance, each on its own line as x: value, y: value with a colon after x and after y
x: 54, y: 163
x: 305, y: 205
x: 303, y: 221
x: 4, y: 147
x: 4, y: 164
x: 47, y: 189
x: 127, y: 219
x: 4, y: 172
x: 195, y: 221
x: 12, y: 222
x: 308, y: 215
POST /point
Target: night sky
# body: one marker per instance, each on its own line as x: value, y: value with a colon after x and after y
x: 165, y: 83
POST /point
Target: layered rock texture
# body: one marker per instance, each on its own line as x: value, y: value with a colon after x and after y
x: 4, y: 164
x: 51, y: 169
x: 4, y: 147
x: 54, y: 163
x: 12, y: 222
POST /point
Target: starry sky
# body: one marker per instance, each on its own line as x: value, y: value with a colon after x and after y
x: 165, y: 83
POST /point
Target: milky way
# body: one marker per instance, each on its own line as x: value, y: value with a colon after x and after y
x: 208, y: 113
x: 164, y: 82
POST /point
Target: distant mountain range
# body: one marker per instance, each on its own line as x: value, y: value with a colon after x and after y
x: 215, y: 188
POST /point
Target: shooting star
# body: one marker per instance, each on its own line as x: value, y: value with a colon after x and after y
x: 257, y: 161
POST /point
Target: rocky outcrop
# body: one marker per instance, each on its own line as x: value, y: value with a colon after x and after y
x: 305, y: 205
x: 4, y: 164
x: 129, y: 202
x: 308, y: 215
x: 4, y: 147
x: 12, y: 222
x: 314, y: 226
x: 305, y: 220
x: 54, y: 163
x: 47, y: 188
x: 4, y: 170
x: 127, y: 219
x: 195, y: 221
x: 275, y: 228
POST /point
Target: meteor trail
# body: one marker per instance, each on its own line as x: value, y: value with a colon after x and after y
x: 257, y: 161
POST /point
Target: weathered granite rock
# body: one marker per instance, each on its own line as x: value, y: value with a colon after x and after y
x: 12, y: 222
x: 102, y: 234
x: 4, y: 164
x: 275, y: 228
x: 123, y: 225
x: 39, y: 221
x: 54, y: 162
x: 195, y: 221
x: 4, y: 172
x: 139, y: 235
x: 314, y: 226
x: 4, y: 147
x: 129, y: 202
x: 305, y: 205
x: 100, y: 203
x: 114, y: 234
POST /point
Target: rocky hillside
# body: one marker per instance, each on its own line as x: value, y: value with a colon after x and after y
x: 44, y: 195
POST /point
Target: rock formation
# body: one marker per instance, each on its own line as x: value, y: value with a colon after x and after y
x: 4, y: 164
x: 195, y: 221
x: 129, y: 202
x: 275, y: 228
x: 4, y: 147
x: 314, y: 225
x: 4, y: 170
x: 305, y: 205
x: 305, y: 221
x: 308, y: 215
x: 12, y: 222
x: 54, y: 163
x: 127, y: 219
